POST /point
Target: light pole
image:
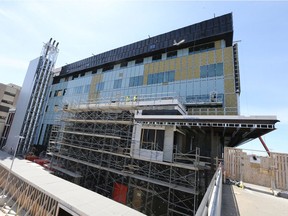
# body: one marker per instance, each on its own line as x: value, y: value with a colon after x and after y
x: 3, y: 195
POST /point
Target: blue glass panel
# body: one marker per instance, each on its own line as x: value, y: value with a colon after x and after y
x: 87, y: 88
x: 99, y: 86
x: 219, y: 69
x: 117, y: 83
x: 211, y: 70
x: 171, y: 76
x: 203, y: 71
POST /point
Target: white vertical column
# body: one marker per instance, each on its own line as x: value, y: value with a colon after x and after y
x: 168, y: 143
x: 135, y: 146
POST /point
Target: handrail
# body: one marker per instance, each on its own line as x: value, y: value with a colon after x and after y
x: 212, y: 200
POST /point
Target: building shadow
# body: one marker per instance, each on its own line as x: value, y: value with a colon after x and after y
x: 229, y: 203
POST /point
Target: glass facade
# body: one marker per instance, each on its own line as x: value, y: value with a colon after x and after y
x: 201, y: 76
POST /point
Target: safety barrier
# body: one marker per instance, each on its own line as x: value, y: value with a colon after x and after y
x: 212, y: 200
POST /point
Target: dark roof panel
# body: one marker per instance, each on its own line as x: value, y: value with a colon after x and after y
x: 210, y: 30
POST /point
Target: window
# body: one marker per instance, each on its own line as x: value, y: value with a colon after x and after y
x: 99, y: 86
x: 172, y: 54
x: 7, y: 102
x: 139, y: 61
x: 117, y: 83
x: 219, y: 69
x: 108, y: 67
x: 202, y: 47
x: 152, y: 139
x: 75, y: 76
x: 86, y: 88
x: 211, y: 70
x: 58, y: 93
x: 136, y: 81
x: 152, y: 46
x: 9, y: 93
x: 123, y: 64
x: 56, y: 108
x: 64, y: 91
x: 162, y: 77
x: 77, y: 90
x: 82, y: 74
x: 50, y: 94
x: 157, y: 57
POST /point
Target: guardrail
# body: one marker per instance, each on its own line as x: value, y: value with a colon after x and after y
x: 212, y: 200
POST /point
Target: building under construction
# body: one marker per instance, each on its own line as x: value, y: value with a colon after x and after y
x: 159, y: 165
x: 146, y: 124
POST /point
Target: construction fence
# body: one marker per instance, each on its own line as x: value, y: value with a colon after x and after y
x: 269, y: 171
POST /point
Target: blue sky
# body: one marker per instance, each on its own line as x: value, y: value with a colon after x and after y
x: 85, y: 27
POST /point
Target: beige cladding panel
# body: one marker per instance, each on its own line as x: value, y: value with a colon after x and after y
x: 196, y: 66
x: 211, y: 57
x: 172, y: 63
x: 188, y: 67
x: 228, y: 61
x: 178, y: 72
x: 219, y: 55
x: 203, y: 58
x: 217, y: 44
x: 95, y: 80
x: 161, y: 66
x: 230, y: 100
x: 184, y: 68
x: 229, y: 85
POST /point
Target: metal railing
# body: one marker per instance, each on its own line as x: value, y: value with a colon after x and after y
x: 212, y: 200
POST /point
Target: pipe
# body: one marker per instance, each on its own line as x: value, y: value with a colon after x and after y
x: 264, y: 145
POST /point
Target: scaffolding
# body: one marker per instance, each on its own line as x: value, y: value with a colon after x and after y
x: 96, y: 147
x: 39, y: 90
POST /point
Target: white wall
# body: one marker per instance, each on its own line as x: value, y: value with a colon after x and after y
x: 21, y: 106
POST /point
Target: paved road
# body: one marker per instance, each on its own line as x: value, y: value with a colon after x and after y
x: 253, y: 200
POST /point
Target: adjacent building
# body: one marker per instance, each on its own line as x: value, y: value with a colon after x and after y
x: 8, y: 98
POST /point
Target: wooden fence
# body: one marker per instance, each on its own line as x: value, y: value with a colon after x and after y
x: 261, y: 170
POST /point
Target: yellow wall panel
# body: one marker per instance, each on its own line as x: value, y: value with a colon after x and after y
x: 189, y: 67
x: 228, y: 61
x: 172, y: 64
x: 161, y: 66
x: 219, y: 58
x: 228, y: 68
x: 203, y: 58
x: 211, y: 57
x: 155, y: 67
x: 166, y: 65
x: 231, y: 100
x: 196, y: 66
x: 217, y: 44
x: 229, y: 86
x: 96, y: 79
x: 178, y: 75
x: 184, y: 67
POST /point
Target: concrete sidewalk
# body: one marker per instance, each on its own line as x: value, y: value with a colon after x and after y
x: 252, y: 200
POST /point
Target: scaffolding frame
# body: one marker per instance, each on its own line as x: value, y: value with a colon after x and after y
x: 36, y: 103
x: 94, y: 148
